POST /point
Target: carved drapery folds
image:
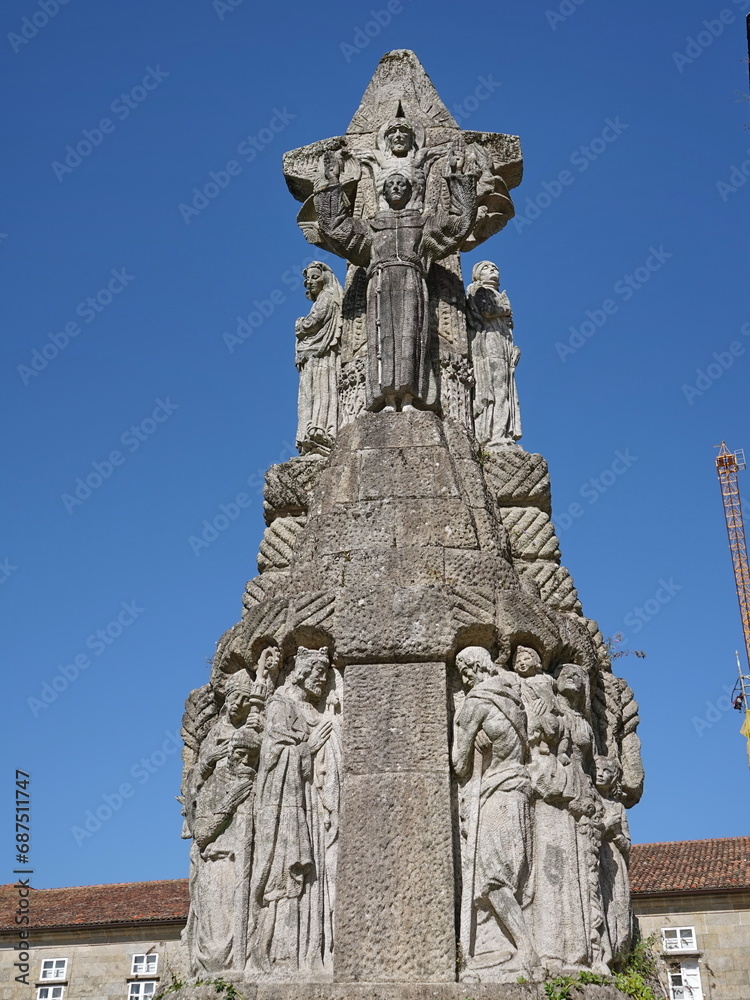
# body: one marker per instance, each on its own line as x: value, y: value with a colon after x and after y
x: 261, y: 802
x: 317, y: 359
x: 497, y: 417
x: 543, y: 834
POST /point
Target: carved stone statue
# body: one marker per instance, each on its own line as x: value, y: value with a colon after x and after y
x: 577, y: 746
x: 317, y: 359
x: 613, y: 857
x: 397, y: 247
x: 497, y: 418
x: 297, y: 814
x: 222, y: 828
x: 238, y: 701
x: 490, y: 748
x: 367, y: 829
x: 555, y: 879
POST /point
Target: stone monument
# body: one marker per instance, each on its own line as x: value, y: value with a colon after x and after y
x: 408, y: 772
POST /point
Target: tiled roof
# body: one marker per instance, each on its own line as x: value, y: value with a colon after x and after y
x: 681, y: 866
x: 691, y: 866
x: 93, y: 905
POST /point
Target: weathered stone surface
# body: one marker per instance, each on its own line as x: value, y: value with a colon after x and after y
x: 289, y: 486
x: 518, y: 478
x: 396, y: 834
x: 396, y: 991
x: 531, y: 533
x: 407, y: 473
x: 279, y: 541
x: 555, y: 582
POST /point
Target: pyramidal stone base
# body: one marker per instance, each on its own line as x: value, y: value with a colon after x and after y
x: 386, y: 570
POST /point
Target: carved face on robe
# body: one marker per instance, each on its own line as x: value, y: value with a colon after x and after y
x: 399, y: 138
x: 486, y: 273
x: 397, y: 191
x: 527, y: 662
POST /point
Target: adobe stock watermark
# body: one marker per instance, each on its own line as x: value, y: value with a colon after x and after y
x: 704, y: 38
x: 624, y: 288
x: 229, y: 512
x: 565, y: 10
x: 715, y: 710
x: 131, y: 440
x: 122, y: 106
x: 594, y: 488
x: 264, y: 308
x: 7, y: 569
x: 641, y: 615
x: 248, y: 149
x: 88, y: 310
x: 31, y: 26
x: 738, y: 177
x: 365, y: 33
x: 722, y: 362
x: 98, y: 642
x: 112, y: 802
x: 224, y: 7
x: 581, y: 159
x: 485, y: 88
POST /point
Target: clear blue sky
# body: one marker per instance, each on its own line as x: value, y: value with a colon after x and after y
x: 186, y: 86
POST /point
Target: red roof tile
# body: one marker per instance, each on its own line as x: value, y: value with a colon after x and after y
x: 691, y: 866
x: 681, y: 866
x: 93, y: 905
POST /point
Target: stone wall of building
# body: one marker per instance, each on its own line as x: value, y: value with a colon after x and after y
x: 100, y: 961
x: 722, y: 938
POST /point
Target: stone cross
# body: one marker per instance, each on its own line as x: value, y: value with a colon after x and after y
x: 399, y: 196
x: 408, y: 773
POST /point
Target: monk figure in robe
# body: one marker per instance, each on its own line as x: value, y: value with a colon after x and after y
x: 397, y: 247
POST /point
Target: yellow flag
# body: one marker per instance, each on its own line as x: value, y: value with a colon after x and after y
x: 745, y: 731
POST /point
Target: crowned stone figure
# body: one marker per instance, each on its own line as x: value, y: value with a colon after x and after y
x: 497, y: 418
x: 317, y: 359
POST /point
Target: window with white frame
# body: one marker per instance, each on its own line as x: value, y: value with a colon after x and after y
x: 50, y: 992
x: 54, y: 968
x: 685, y: 980
x: 145, y: 965
x: 678, y: 938
x: 142, y: 990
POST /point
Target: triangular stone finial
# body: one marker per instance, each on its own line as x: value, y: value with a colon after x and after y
x: 400, y: 88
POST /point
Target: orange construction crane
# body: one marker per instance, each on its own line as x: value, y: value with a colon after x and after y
x: 728, y: 464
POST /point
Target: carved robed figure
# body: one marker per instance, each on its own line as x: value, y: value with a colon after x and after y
x: 317, y: 359
x: 294, y: 867
x: 397, y: 247
x: 497, y: 416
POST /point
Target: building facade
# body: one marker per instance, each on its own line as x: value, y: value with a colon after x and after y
x: 693, y: 897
